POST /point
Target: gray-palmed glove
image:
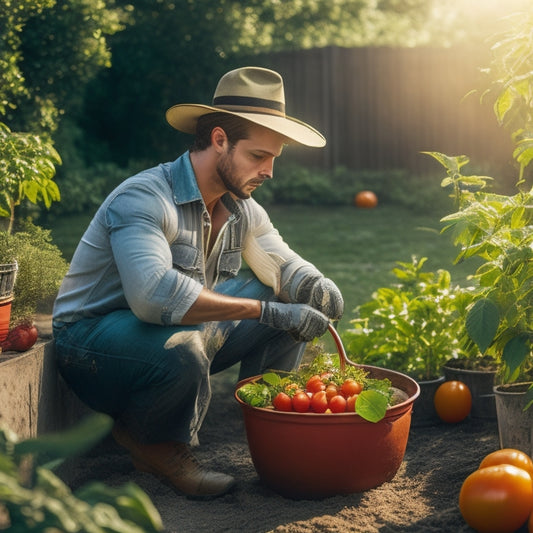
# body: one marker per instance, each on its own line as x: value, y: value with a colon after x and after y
x: 302, y: 321
x: 322, y: 294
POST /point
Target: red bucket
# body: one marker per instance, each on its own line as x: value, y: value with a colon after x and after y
x: 311, y: 455
x: 5, y: 317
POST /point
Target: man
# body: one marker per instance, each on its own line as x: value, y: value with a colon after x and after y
x: 155, y: 300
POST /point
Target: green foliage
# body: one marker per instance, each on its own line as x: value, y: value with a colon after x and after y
x: 296, y: 184
x: 27, y: 169
x: 41, y: 268
x: 412, y: 326
x: 52, y: 48
x: 36, y: 500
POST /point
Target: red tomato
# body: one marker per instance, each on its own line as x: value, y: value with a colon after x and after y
x: 282, y: 402
x: 337, y: 404
x: 319, y: 402
x: 350, y: 403
x: 496, y: 499
x: 453, y: 401
x: 509, y: 456
x: 351, y: 387
x: 366, y: 199
x: 315, y: 384
x: 331, y: 391
x: 301, y: 402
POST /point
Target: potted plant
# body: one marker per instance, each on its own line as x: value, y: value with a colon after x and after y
x: 412, y: 327
x: 27, y: 169
x: 495, y: 229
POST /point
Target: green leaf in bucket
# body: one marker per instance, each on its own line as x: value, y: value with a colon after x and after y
x: 371, y: 405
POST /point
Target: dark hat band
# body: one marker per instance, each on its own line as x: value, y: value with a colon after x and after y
x: 250, y: 104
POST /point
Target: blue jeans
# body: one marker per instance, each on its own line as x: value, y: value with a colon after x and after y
x: 155, y: 379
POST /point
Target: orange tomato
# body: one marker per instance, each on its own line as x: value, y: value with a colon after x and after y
x: 366, y: 199
x: 350, y: 403
x: 509, y: 456
x: 453, y: 401
x: 496, y: 499
x: 319, y: 402
x: 351, y: 387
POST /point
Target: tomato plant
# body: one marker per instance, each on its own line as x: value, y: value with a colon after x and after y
x: 509, y: 456
x: 453, y: 401
x: 496, y: 499
x: 366, y: 199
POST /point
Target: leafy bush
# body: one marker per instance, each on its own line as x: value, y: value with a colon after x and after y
x: 295, y: 184
x: 413, y: 326
x: 41, y: 267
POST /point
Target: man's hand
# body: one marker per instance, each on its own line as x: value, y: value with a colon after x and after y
x: 302, y: 321
x: 322, y: 294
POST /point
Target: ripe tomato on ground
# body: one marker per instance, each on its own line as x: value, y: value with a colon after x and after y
x: 282, y: 402
x: 453, y: 401
x: 509, y: 456
x: 366, y: 199
x: 337, y: 404
x: 301, y: 402
x: 350, y: 387
x: 319, y: 402
x: 496, y: 499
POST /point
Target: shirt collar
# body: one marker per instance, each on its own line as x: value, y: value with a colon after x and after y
x: 185, y: 187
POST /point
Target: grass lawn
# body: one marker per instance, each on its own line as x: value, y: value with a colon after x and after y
x: 357, y: 248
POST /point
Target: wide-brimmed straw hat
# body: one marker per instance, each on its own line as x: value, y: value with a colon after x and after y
x: 255, y: 94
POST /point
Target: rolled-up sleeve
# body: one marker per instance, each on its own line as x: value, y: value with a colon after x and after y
x: 155, y: 291
x: 266, y: 253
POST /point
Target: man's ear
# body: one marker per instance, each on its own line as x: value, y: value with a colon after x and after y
x: 219, y: 139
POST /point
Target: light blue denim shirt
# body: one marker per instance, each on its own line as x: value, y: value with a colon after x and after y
x: 144, y: 249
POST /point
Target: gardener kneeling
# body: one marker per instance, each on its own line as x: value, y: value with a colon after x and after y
x: 154, y: 300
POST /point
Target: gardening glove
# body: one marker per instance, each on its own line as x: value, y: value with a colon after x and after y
x: 302, y: 321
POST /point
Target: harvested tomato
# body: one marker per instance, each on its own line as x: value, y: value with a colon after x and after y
x: 366, y: 199
x: 282, y: 402
x: 319, y: 402
x: 350, y: 387
x: 331, y: 391
x: 496, y: 499
x: 301, y: 402
x: 350, y: 403
x: 509, y: 456
x: 315, y: 384
x: 453, y: 401
x: 337, y: 404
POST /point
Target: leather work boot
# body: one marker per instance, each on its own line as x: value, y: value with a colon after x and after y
x: 174, y: 463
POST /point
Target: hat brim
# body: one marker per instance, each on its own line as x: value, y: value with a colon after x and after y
x: 183, y: 117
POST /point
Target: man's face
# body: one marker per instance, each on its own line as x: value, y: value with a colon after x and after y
x: 250, y: 162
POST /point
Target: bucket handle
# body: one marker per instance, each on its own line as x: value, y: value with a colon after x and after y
x: 343, y: 358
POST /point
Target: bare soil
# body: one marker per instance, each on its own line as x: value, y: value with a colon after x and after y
x: 422, y: 497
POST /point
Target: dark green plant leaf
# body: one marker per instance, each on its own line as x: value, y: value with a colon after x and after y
x: 74, y: 441
x: 482, y: 323
x: 514, y: 354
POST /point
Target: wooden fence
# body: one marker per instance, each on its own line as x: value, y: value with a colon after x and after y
x: 380, y: 107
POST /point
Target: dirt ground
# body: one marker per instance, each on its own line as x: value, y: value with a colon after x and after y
x: 422, y: 497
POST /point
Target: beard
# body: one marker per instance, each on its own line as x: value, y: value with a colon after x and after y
x: 227, y: 173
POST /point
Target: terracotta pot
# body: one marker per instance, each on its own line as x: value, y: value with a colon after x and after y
x: 515, y: 426
x: 5, y: 317
x: 310, y: 455
x: 481, y: 385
